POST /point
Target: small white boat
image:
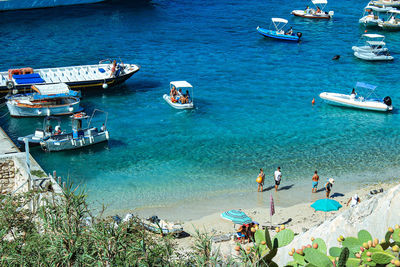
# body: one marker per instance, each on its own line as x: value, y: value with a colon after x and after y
x: 175, y: 101
x: 374, y: 48
x: 370, y: 42
x: 317, y: 13
x: 371, y: 15
x: 359, y: 102
x: 385, y: 3
x: 392, y: 23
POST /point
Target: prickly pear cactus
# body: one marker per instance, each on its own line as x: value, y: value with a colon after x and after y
x: 283, y: 238
x: 321, y: 245
x: 335, y: 251
x: 344, y: 255
x: 364, y: 236
x: 382, y: 257
x: 353, y: 244
x: 317, y: 258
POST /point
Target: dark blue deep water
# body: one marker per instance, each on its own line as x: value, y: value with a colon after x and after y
x: 253, y: 97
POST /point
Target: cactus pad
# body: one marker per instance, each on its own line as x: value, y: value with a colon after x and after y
x: 335, y: 251
x: 321, y: 245
x: 364, y: 236
x: 317, y: 258
x: 283, y: 238
x: 299, y: 259
x: 382, y: 257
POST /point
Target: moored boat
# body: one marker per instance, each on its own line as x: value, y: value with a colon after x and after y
x: 106, y: 74
x: 177, y: 99
x: 278, y: 32
x: 392, y: 23
x: 317, y: 13
x: 359, y: 102
x: 79, y: 137
x: 374, y: 48
x: 44, y: 133
x: 385, y: 3
x: 46, y: 100
x: 371, y: 16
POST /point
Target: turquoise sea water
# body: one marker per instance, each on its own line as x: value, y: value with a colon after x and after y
x: 253, y: 98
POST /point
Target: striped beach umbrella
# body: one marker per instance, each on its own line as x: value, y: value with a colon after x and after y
x: 236, y: 216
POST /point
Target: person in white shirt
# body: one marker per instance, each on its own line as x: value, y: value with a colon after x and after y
x: 353, y: 201
x: 277, y: 178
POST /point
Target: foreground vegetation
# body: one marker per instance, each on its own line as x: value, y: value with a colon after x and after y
x: 62, y: 232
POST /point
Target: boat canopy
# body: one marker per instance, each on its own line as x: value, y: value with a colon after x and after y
x: 373, y: 35
x: 279, y: 20
x: 316, y: 2
x: 181, y: 84
x: 51, y: 89
x: 366, y: 86
x: 376, y: 43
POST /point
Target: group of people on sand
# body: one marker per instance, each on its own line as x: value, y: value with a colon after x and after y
x: 246, y: 231
x: 261, y: 179
x: 315, y: 179
x: 178, y: 97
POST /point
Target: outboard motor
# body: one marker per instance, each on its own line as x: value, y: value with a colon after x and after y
x: 387, y: 100
x: 299, y: 34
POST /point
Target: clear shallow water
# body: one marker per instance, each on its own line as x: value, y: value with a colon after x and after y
x: 253, y: 98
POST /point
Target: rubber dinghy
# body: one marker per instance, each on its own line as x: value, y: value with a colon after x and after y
x: 278, y: 32
x: 176, y: 98
x: 352, y: 101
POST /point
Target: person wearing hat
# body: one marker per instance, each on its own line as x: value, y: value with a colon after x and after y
x: 328, y: 186
x: 354, y: 200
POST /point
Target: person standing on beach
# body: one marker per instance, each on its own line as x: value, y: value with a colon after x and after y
x: 328, y: 186
x: 315, y: 179
x: 277, y: 178
x: 260, y: 180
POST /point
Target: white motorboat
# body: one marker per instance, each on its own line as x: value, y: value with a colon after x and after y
x: 371, y: 15
x: 176, y: 98
x: 385, y: 3
x: 317, y: 13
x: 370, y: 42
x: 106, y: 74
x: 392, y: 23
x: 355, y: 101
x: 374, y: 48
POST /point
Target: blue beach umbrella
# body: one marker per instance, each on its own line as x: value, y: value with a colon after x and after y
x: 236, y: 216
x: 326, y: 205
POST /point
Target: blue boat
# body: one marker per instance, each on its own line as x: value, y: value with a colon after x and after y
x: 278, y: 32
x: 46, y: 100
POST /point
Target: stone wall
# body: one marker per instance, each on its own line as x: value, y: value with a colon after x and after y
x: 7, y: 175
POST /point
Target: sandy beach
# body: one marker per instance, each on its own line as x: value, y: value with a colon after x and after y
x: 299, y: 217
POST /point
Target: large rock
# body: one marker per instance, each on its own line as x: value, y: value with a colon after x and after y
x: 375, y: 215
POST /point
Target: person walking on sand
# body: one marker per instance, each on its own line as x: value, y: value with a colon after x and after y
x: 260, y: 180
x: 328, y: 186
x: 277, y: 178
x: 315, y: 179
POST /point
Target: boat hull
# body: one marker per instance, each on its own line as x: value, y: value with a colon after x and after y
x: 63, y: 142
x: 274, y: 35
x: 301, y: 13
x: 368, y: 21
x: 372, y: 57
x: 347, y: 101
x: 389, y: 26
x: 177, y: 105
x: 24, y: 111
x: 365, y: 49
x: 29, y: 4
